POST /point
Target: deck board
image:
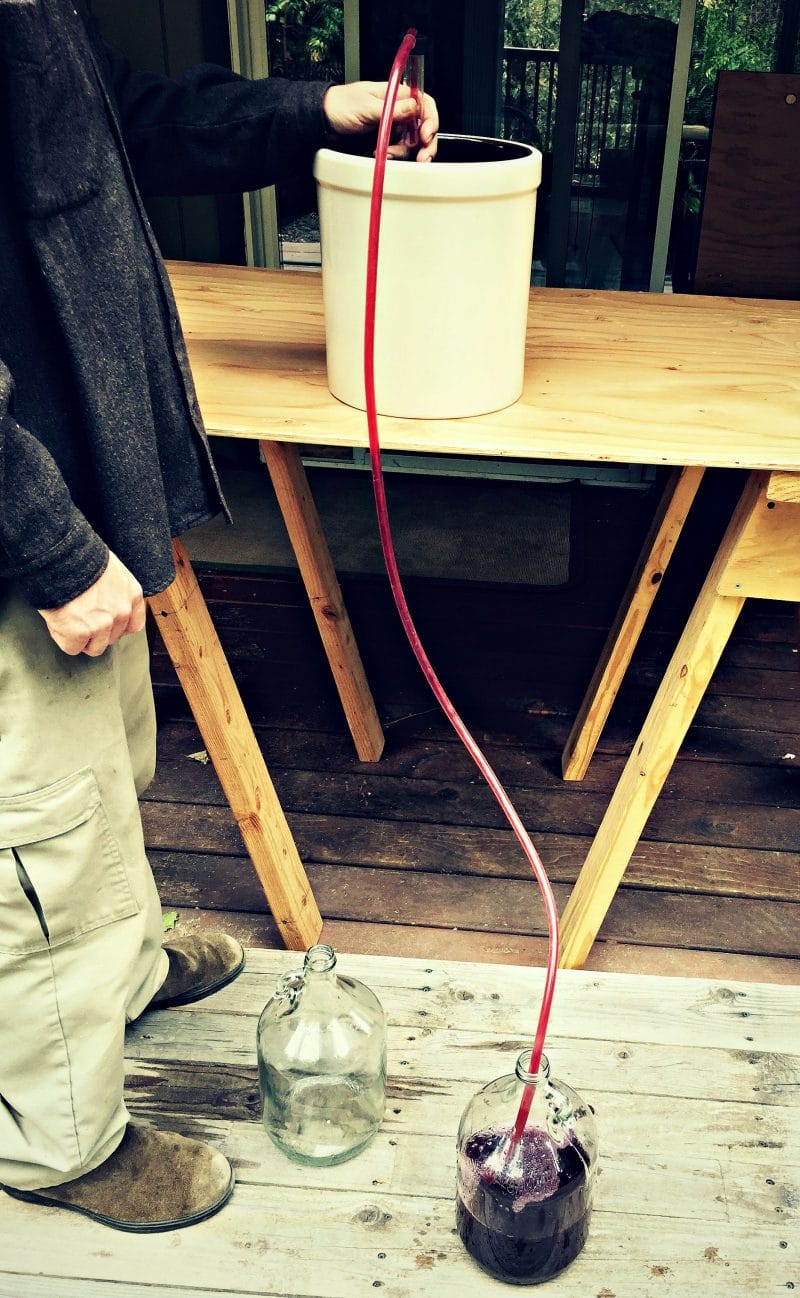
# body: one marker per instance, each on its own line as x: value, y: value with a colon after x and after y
x: 389, y: 939
x: 421, y: 847
x: 697, y: 1109
x: 412, y: 852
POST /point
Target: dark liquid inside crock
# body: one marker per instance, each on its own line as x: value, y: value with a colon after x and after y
x: 475, y: 148
x: 538, y: 1239
x: 450, y: 149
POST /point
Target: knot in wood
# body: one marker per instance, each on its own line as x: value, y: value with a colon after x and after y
x: 372, y: 1217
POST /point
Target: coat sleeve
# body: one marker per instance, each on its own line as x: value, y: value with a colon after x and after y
x: 211, y: 131
x: 47, y: 547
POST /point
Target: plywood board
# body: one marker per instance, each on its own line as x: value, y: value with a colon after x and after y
x: 624, y: 377
x: 750, y: 224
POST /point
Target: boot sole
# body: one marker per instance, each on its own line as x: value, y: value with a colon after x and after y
x: 133, y: 1227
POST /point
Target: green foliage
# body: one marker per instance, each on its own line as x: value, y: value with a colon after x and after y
x: 533, y: 23
x: 306, y: 37
x: 731, y: 36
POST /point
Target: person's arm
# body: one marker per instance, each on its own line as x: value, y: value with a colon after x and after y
x: 211, y: 131
x: 46, y: 545
x: 50, y: 552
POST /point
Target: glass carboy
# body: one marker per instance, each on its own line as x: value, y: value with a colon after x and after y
x: 322, y: 1062
x: 523, y: 1207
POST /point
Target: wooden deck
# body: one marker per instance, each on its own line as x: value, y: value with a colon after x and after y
x: 411, y: 857
x: 695, y: 1086
x: 695, y: 1080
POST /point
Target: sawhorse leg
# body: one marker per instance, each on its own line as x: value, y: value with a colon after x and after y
x: 192, y: 643
x: 759, y: 556
x: 628, y: 625
x: 319, y: 577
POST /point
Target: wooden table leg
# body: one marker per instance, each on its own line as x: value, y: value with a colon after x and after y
x: 628, y: 625
x: 319, y: 577
x: 192, y: 643
x: 760, y: 556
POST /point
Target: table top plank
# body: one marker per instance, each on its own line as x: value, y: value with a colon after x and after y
x: 696, y: 1193
x: 610, y: 376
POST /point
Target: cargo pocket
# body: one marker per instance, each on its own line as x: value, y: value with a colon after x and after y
x: 61, y: 870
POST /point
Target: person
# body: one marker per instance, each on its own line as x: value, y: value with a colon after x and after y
x: 103, y: 459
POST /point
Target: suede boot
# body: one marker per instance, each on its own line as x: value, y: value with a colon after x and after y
x: 199, y: 964
x: 154, y: 1180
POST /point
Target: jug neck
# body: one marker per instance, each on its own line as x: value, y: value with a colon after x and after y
x: 532, y: 1079
x: 550, y: 1106
x: 320, y: 963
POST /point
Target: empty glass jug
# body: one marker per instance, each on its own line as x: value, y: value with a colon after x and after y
x: 322, y: 1062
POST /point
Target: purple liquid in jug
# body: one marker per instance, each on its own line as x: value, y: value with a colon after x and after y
x: 527, y: 1219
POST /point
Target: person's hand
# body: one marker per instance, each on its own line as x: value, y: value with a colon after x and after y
x: 355, y: 109
x: 113, y: 607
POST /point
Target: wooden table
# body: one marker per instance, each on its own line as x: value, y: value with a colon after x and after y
x: 696, y: 1086
x: 689, y: 382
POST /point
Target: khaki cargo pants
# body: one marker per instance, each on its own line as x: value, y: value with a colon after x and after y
x: 80, y: 919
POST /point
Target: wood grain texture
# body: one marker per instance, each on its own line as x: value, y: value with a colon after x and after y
x: 767, y: 559
x: 209, y: 846
x: 490, y: 905
x: 760, y: 546
x: 684, y: 683
x: 784, y: 486
x: 709, y: 1207
x: 420, y: 942
x: 707, y: 814
x: 629, y: 377
x: 726, y: 825
x: 325, y: 596
x: 185, y: 625
x: 627, y: 627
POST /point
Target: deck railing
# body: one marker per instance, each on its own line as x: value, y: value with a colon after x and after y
x: 608, y: 104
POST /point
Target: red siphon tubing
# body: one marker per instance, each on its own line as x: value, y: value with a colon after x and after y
x: 384, y: 133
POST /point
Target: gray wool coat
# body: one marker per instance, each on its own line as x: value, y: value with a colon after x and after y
x: 101, y: 439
